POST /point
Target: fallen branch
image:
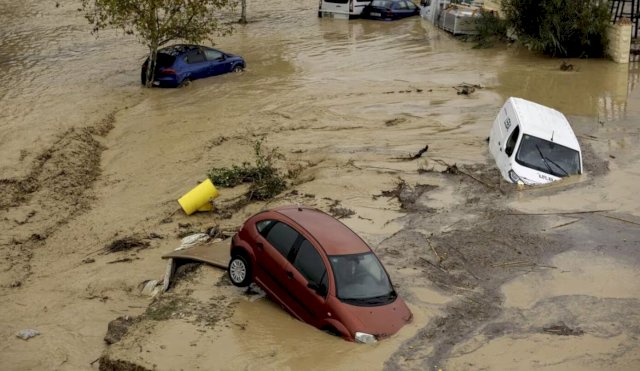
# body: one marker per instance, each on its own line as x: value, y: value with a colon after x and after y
x: 458, y: 287
x: 566, y: 224
x: 435, y: 252
x: 521, y: 264
x: 512, y: 263
x: 454, y: 169
x: 620, y: 219
x: 433, y: 265
x: 414, y: 157
x: 481, y: 181
x: 123, y: 260
x: 420, y: 152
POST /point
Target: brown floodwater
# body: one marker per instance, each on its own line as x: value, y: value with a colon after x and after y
x: 343, y: 95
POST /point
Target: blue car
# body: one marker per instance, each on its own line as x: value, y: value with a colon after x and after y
x: 178, y: 64
x: 390, y: 9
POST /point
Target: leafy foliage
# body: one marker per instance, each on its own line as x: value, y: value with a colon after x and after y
x: 265, y: 179
x: 491, y: 29
x: 564, y: 28
x: 157, y: 22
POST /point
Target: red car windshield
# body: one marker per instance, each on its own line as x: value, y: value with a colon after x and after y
x: 361, y: 280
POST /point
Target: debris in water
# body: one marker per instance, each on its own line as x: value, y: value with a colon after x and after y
x: 214, y: 231
x: 27, y: 334
x: 123, y: 260
x: 126, y: 244
x: 562, y: 329
x: 340, y: 212
x: 151, y: 287
x: 407, y: 195
x: 118, y: 328
x: 395, y: 121
x: 467, y: 89
x: 193, y: 240
x: 185, y: 270
x: 451, y: 169
x: 414, y: 157
x: 566, y: 66
x: 420, y: 152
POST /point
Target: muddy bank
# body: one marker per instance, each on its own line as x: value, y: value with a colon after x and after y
x: 56, y: 189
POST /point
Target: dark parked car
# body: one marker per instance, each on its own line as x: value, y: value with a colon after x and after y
x: 390, y: 9
x: 179, y: 64
x: 318, y: 270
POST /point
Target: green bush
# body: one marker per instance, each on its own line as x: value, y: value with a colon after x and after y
x: 562, y: 28
x: 264, y: 178
x: 491, y: 29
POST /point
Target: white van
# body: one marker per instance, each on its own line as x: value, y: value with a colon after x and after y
x: 533, y: 144
x: 342, y: 9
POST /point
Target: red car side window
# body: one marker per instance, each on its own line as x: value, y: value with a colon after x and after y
x: 264, y: 226
x: 282, y: 237
x: 309, y: 263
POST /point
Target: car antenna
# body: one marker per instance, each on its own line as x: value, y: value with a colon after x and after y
x: 552, y: 133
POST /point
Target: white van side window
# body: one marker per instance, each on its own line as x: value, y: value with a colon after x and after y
x: 511, y: 143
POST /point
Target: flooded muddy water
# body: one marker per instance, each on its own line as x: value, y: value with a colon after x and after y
x: 346, y: 100
x: 259, y: 335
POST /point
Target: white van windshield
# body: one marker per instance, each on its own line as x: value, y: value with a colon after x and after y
x: 548, y: 157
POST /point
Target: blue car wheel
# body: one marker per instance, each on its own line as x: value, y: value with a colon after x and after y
x: 185, y: 82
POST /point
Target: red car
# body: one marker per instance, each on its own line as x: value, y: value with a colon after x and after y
x: 320, y: 271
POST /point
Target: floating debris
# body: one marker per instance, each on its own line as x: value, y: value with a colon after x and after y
x: 27, y: 334
x: 563, y: 330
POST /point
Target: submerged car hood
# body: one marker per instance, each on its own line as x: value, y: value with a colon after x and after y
x: 384, y: 320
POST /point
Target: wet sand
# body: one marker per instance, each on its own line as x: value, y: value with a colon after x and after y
x: 88, y: 157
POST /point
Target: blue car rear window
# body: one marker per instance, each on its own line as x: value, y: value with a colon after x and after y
x: 165, y: 60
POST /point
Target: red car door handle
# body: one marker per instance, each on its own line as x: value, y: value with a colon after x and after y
x: 260, y: 245
x: 290, y: 274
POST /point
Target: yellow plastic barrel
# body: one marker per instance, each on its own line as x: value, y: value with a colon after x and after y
x: 199, y: 198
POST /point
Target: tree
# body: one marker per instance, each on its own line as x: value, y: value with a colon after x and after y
x: 565, y: 28
x: 157, y: 22
x: 243, y: 12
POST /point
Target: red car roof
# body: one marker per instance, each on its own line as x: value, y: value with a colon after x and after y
x: 334, y: 237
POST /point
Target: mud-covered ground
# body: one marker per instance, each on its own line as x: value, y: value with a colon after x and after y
x: 497, y: 278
